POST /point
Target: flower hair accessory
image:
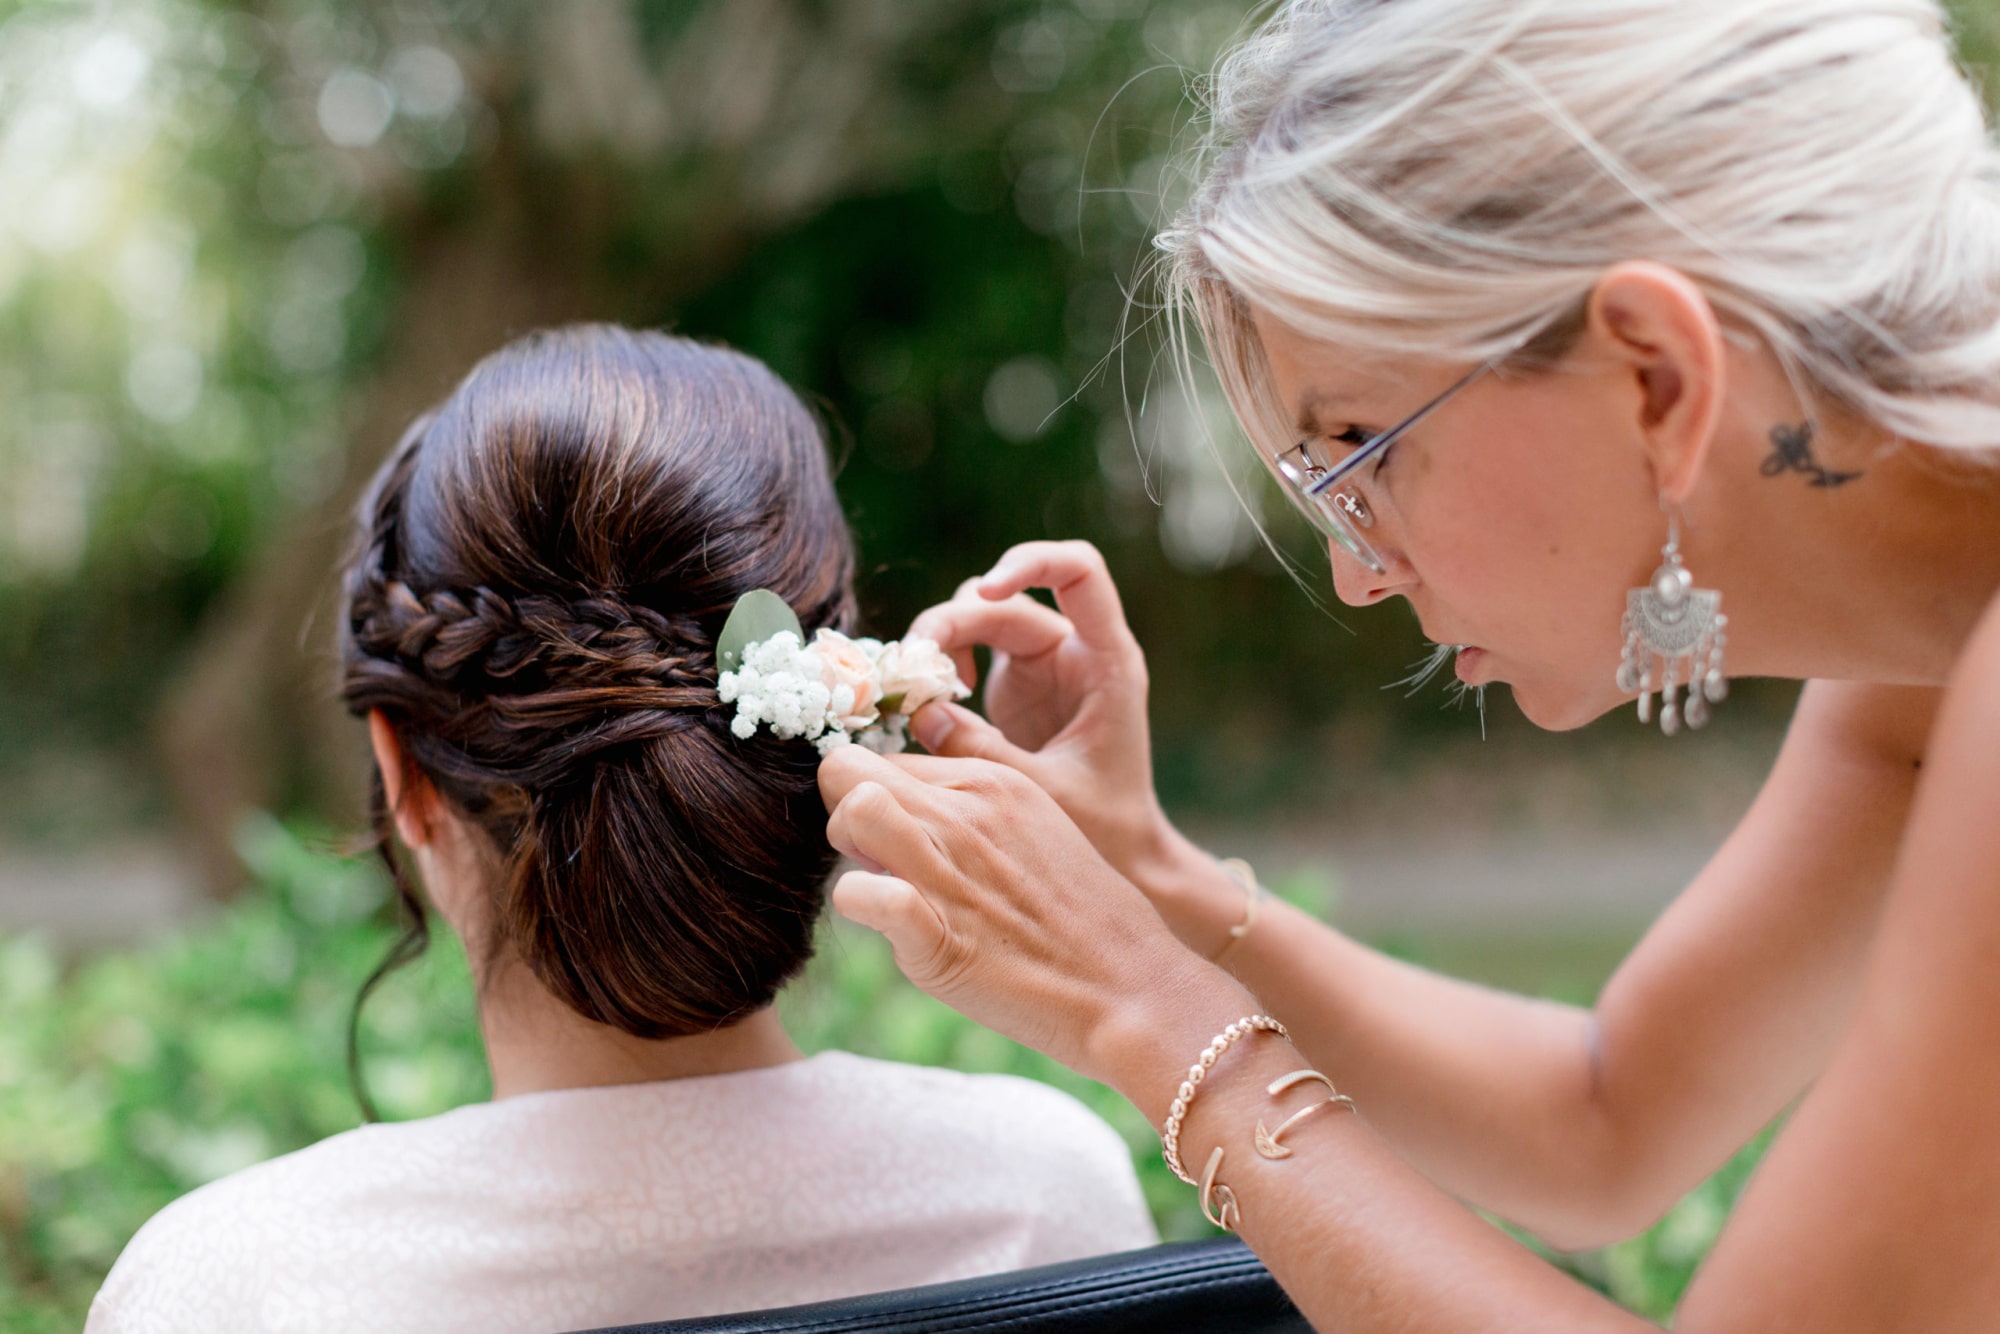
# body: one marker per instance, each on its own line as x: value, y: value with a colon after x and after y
x: 830, y: 691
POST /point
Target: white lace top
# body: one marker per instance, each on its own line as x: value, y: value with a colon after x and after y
x: 823, y: 1178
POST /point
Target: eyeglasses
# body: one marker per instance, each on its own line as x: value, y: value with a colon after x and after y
x: 1311, y: 479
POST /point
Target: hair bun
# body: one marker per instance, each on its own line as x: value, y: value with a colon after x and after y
x: 544, y: 564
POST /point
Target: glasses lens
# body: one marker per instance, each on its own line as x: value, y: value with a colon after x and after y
x: 1297, y: 470
x: 1341, y: 529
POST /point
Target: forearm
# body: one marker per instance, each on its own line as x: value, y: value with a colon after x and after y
x: 1490, y: 1095
x: 1360, y: 1240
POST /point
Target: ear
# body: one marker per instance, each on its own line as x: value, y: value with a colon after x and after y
x: 1662, y: 327
x: 414, y: 805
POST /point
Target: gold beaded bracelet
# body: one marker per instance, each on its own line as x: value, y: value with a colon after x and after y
x: 1170, y: 1134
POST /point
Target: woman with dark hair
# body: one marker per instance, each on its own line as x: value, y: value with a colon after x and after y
x: 530, y: 632
x: 1638, y: 345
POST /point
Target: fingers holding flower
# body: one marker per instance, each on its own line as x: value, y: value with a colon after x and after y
x: 993, y: 900
x: 1066, y: 696
x: 1076, y: 573
x: 1014, y: 628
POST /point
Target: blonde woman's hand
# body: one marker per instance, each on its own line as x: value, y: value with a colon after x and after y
x: 1065, y: 692
x: 996, y: 904
x: 1066, y: 699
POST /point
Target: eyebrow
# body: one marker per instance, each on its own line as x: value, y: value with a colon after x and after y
x: 1316, y: 402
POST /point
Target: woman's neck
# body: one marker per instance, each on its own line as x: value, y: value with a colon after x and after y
x: 535, y: 1043
x: 1879, y: 575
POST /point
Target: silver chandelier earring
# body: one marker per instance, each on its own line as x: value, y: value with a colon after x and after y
x: 1684, y: 629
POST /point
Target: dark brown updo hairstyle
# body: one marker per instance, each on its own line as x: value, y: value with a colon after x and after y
x: 543, y: 567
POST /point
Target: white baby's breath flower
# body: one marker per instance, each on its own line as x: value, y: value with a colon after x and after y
x: 836, y: 689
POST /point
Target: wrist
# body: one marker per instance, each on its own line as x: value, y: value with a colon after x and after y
x: 1142, y: 1045
x: 1150, y: 849
x: 1200, y: 900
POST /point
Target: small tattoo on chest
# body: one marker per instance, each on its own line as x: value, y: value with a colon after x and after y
x: 1791, y: 451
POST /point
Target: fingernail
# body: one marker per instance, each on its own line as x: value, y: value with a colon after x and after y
x: 996, y: 576
x: 933, y: 724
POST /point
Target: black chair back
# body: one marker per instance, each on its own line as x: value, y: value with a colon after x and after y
x: 1187, y: 1286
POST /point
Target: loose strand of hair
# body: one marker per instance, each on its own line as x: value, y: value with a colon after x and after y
x: 408, y: 946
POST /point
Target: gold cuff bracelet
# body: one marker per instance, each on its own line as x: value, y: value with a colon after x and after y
x: 1269, y: 1141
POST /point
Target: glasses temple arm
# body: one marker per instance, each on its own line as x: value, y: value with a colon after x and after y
x: 1346, y: 467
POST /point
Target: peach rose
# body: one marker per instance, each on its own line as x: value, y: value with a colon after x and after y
x: 849, y: 673
x: 916, y: 672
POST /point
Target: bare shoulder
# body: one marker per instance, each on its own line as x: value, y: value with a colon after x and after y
x: 1868, y: 722
x: 1979, y: 667
x: 1961, y: 756
x: 1960, y: 796
x: 1877, y: 1206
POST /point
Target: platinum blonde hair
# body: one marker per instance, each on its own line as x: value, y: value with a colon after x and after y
x: 1445, y: 179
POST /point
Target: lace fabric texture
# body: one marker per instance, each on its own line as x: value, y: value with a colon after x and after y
x: 824, y: 1178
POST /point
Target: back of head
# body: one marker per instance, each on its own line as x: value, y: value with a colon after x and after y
x: 544, y: 565
x: 1445, y: 178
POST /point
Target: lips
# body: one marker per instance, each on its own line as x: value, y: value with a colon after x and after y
x: 1470, y: 664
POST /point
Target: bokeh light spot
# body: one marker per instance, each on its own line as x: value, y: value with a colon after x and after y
x: 427, y: 82
x: 355, y: 107
x: 109, y: 70
x: 1021, y: 397
x: 164, y: 381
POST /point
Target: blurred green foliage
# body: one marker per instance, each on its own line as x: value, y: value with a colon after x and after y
x: 135, y: 1077
x: 248, y: 236
x: 250, y: 242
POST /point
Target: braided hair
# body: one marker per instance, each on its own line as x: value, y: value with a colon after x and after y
x: 542, y: 567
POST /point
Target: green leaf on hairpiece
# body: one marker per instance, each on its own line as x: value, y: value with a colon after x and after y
x: 757, y: 616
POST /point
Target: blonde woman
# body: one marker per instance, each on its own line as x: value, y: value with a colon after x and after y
x: 1639, y: 344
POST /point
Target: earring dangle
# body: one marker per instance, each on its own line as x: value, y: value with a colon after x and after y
x: 1684, y: 629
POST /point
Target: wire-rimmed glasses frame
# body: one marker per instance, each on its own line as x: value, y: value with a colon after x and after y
x: 1341, y: 515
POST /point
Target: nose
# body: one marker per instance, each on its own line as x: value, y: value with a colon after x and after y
x: 1359, y: 586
